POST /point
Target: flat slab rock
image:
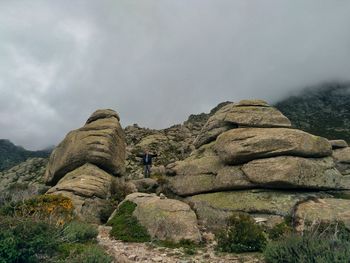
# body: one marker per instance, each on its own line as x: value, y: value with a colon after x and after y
x: 288, y: 172
x: 338, y: 144
x: 206, y: 174
x: 165, y: 219
x: 213, y: 209
x: 245, y: 144
x: 342, y: 160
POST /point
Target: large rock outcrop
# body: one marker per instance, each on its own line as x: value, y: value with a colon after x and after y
x: 85, y: 163
x: 101, y: 141
x: 165, y: 219
x: 249, y: 146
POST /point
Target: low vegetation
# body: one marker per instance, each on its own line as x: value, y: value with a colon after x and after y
x: 35, y: 231
x: 126, y: 227
x: 241, y: 235
x: 318, y: 243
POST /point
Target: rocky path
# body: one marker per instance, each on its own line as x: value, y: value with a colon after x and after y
x: 147, y: 253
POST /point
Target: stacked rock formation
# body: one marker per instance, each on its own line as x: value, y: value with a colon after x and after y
x: 248, y: 158
x: 84, y: 164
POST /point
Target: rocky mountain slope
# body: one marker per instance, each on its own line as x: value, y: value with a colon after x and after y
x: 11, y: 155
x: 243, y: 157
x: 322, y: 110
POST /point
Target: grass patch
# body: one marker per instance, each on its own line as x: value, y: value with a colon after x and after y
x: 321, y: 243
x: 126, y: 227
x: 188, y: 246
x: 87, y: 253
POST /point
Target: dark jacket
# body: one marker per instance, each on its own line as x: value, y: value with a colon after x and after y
x: 147, y: 158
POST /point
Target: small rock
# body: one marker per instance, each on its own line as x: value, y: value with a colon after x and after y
x: 208, y: 237
x: 157, y: 259
x: 162, y: 196
x: 132, y: 257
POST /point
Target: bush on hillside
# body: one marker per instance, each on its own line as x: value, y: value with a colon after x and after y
x: 31, y: 240
x: 242, y: 234
x: 307, y: 249
x: 279, y: 231
x: 51, y: 207
x: 87, y: 253
x: 77, y: 231
x: 25, y: 240
x: 323, y: 242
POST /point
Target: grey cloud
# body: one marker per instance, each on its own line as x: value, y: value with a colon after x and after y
x: 156, y: 62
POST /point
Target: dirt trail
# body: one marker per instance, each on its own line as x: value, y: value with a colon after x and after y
x: 144, y: 252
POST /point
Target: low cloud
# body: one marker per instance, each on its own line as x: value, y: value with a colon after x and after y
x: 156, y: 62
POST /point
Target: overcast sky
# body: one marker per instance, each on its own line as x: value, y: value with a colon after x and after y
x: 157, y: 61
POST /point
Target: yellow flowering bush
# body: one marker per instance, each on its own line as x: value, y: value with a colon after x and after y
x: 56, y: 208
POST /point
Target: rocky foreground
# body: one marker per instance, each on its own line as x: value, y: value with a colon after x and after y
x: 148, y: 253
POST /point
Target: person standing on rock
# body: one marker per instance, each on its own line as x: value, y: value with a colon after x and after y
x: 147, y: 162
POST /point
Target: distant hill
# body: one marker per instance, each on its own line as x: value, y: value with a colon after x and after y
x: 11, y: 155
x: 323, y: 110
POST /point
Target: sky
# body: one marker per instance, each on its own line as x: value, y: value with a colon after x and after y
x: 157, y: 61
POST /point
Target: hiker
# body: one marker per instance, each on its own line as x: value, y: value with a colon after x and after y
x: 147, y: 162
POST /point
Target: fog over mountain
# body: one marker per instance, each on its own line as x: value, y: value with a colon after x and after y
x: 156, y: 62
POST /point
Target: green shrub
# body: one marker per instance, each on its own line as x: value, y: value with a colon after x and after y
x: 76, y: 231
x: 307, y: 249
x: 322, y: 242
x: 241, y: 235
x: 44, y: 207
x: 87, y: 253
x: 26, y: 240
x: 106, y: 212
x: 126, y: 227
x: 279, y: 231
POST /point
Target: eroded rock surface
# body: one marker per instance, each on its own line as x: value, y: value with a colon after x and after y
x: 101, y: 142
x: 294, y: 172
